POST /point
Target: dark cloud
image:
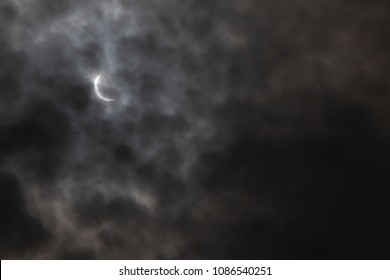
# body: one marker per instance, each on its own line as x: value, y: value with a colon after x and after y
x: 21, y: 233
x: 240, y: 129
x: 322, y: 186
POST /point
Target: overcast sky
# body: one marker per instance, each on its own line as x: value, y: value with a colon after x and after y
x: 240, y: 129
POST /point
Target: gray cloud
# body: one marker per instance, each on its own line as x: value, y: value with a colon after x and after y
x: 241, y: 129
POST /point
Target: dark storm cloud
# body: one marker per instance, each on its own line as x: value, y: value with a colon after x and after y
x: 241, y: 129
x: 20, y: 231
x: 321, y: 186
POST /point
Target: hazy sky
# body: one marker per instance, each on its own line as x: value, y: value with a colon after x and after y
x: 241, y: 129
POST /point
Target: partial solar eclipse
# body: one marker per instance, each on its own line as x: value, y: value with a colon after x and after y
x: 97, y: 91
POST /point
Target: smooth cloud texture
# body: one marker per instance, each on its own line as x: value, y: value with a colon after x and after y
x: 240, y: 129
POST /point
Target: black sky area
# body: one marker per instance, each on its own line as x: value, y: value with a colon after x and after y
x: 241, y: 129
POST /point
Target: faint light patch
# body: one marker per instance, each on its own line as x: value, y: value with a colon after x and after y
x: 144, y: 199
x: 231, y: 36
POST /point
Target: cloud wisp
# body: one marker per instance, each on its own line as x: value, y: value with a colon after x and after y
x: 238, y: 129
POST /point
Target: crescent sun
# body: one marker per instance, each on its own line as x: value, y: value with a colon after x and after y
x: 97, y: 91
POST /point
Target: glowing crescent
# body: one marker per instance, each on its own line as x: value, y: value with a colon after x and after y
x: 97, y: 91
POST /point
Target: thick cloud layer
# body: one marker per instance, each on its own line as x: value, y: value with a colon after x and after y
x: 240, y: 129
